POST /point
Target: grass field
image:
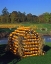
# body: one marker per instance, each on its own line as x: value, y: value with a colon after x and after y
x: 9, y: 58
x: 36, y: 27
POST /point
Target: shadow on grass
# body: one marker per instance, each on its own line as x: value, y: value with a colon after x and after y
x: 7, y: 57
x: 46, y: 48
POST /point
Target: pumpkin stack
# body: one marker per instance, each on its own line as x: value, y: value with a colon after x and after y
x: 24, y: 41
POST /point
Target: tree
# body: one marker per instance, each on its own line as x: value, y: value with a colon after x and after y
x: 19, y: 16
x: 14, y: 17
x: 23, y: 17
x: 0, y: 19
x: 5, y: 11
x: 46, y: 16
x: 41, y: 19
x: 35, y: 19
x: 50, y: 18
x: 29, y: 17
x: 5, y: 15
x: 3, y: 19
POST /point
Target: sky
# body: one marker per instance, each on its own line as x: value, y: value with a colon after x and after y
x: 36, y: 7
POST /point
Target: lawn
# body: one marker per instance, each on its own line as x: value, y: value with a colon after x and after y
x: 46, y: 59
x: 36, y: 27
x: 9, y: 58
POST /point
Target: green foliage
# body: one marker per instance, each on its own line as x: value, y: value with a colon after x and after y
x: 4, y: 16
x: 46, y: 17
x: 17, y: 17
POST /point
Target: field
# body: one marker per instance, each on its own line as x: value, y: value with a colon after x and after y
x: 36, y: 27
x: 9, y: 58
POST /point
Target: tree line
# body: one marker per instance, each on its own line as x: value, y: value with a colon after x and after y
x: 18, y: 17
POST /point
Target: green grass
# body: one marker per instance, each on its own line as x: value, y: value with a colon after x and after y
x: 39, y: 26
x: 9, y: 58
x: 32, y: 25
x: 46, y: 59
x: 7, y: 29
x: 48, y: 43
